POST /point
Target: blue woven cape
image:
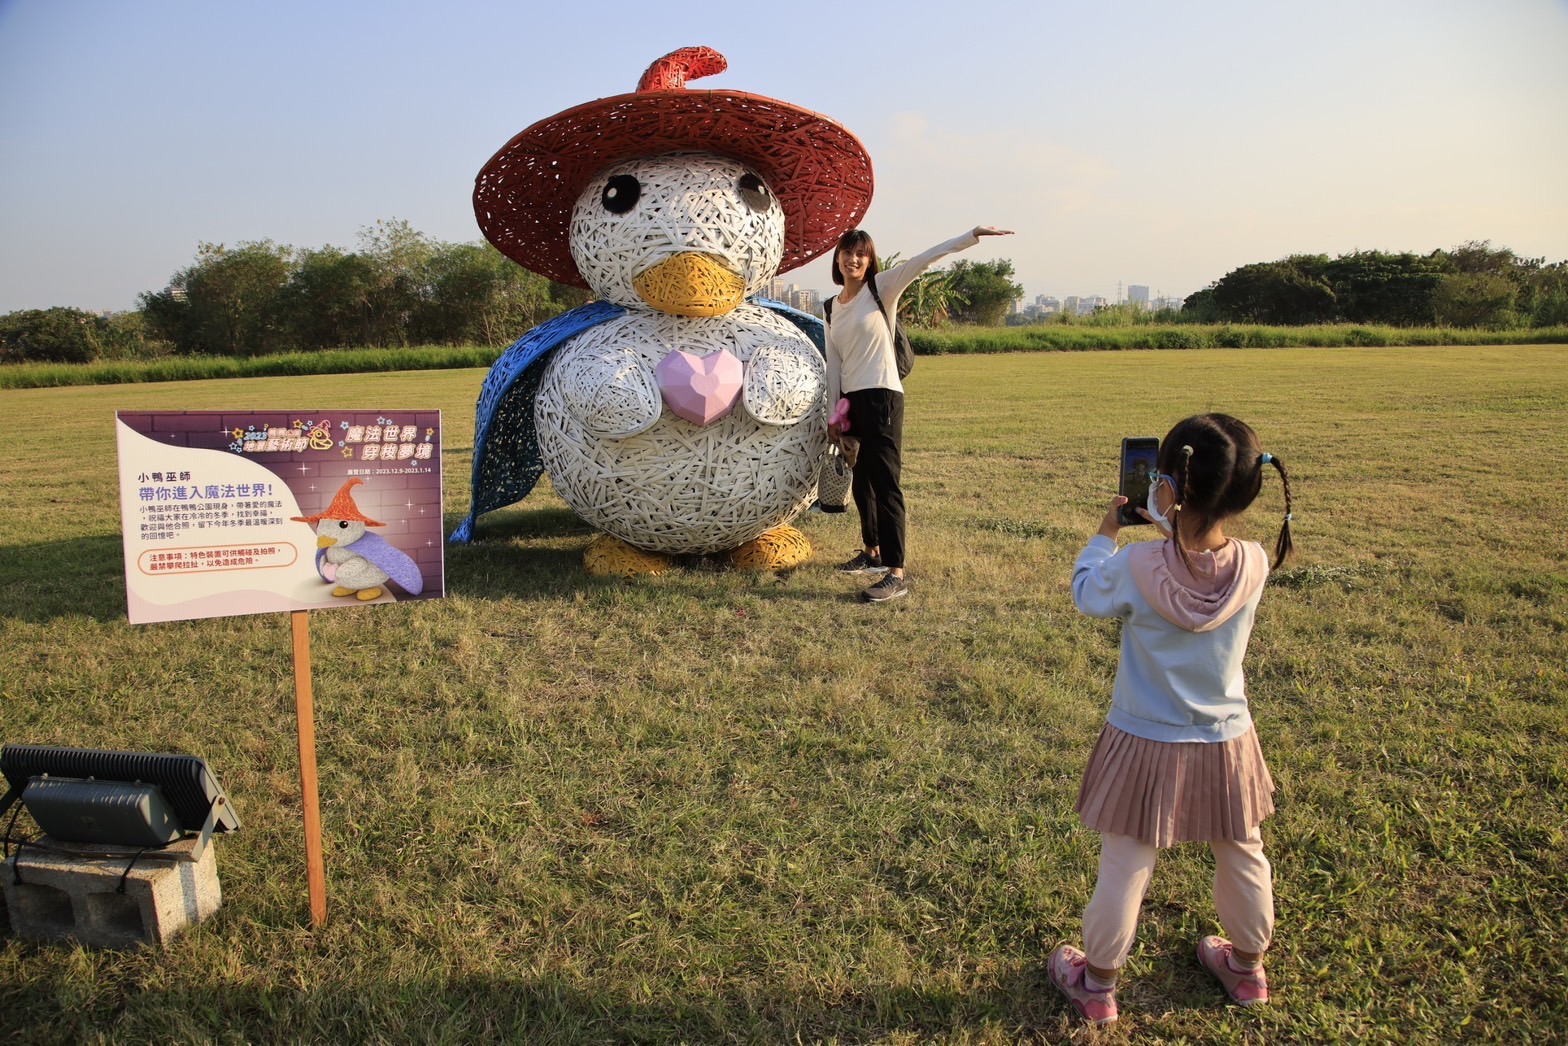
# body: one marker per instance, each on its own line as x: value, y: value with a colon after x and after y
x: 506, y: 444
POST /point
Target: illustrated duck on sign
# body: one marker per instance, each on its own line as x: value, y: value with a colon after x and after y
x: 357, y: 562
x: 678, y: 413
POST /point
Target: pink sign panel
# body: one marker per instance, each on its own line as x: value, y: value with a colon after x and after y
x: 258, y: 511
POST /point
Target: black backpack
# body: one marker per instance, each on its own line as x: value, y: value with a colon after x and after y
x: 903, y: 352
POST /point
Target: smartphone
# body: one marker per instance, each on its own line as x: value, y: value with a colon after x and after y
x: 1140, y: 464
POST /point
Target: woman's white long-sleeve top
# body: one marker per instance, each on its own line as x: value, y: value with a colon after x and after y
x: 859, y: 343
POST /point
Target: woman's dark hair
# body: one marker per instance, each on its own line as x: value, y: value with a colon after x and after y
x: 848, y: 242
x: 1218, y: 467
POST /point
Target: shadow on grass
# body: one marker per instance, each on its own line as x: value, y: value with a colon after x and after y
x: 541, y: 1009
x: 519, y: 554
x: 82, y: 577
x: 538, y: 553
x: 522, y: 524
x: 85, y: 577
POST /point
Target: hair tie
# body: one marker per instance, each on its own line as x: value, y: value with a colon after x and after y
x: 1264, y: 459
x: 1289, y: 516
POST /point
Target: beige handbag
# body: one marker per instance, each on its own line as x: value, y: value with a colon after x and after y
x: 833, y: 478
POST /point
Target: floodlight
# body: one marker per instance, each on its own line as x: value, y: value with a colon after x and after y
x: 132, y: 799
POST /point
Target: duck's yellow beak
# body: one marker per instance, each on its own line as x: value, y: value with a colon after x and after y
x: 326, y: 542
x: 691, y: 284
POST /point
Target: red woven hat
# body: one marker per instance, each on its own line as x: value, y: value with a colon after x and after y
x: 342, y: 507
x: 820, y: 172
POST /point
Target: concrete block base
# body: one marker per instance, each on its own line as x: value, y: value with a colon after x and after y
x: 68, y: 895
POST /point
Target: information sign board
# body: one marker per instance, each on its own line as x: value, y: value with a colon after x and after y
x: 260, y: 511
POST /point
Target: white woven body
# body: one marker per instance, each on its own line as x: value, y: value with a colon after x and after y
x: 630, y: 467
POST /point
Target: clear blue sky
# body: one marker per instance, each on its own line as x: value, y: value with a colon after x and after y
x: 1142, y: 142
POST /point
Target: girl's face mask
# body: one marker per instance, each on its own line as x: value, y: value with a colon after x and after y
x: 1153, y: 503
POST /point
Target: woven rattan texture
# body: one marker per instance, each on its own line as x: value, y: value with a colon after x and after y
x: 689, y: 213
x: 506, y: 445
x: 673, y: 486
x: 688, y: 286
x: 671, y: 72
x: 524, y: 197
x: 782, y: 548
x: 607, y: 556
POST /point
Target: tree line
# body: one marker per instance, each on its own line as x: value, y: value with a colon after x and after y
x: 398, y: 288
x: 1473, y: 285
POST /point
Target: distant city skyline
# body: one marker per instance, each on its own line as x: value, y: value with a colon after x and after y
x: 793, y: 293
x: 809, y: 299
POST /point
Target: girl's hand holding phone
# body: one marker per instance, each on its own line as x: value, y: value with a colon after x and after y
x: 1111, y: 525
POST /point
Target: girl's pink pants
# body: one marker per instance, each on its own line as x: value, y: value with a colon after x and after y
x: 1243, y: 896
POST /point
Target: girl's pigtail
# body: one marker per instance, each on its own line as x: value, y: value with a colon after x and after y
x: 1185, y: 480
x: 1282, y: 546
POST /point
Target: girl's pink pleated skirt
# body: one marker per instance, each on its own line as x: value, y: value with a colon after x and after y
x: 1165, y: 792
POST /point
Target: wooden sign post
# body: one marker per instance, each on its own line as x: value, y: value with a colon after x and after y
x: 304, y: 707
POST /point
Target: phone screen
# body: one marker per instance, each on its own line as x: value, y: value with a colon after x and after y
x: 1140, y: 464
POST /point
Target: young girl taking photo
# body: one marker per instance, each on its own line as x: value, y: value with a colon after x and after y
x: 1178, y: 758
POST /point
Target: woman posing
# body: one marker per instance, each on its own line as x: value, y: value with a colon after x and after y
x: 862, y: 368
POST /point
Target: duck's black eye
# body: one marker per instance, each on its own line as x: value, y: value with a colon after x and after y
x: 343, y: 524
x: 755, y: 192
x: 620, y: 195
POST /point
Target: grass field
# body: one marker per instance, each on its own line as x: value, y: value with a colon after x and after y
x: 717, y: 807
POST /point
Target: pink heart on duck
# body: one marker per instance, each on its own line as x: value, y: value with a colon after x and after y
x: 701, y: 389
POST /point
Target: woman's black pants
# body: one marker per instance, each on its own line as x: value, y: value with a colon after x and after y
x: 876, y: 416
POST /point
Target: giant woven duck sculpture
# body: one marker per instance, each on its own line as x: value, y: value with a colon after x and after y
x: 678, y: 413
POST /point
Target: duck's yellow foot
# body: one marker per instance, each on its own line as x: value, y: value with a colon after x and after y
x: 608, y: 556
x: 782, y: 548
x: 365, y: 595
x: 340, y: 591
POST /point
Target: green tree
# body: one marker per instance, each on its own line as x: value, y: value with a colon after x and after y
x: 983, y: 292
x: 401, y: 255
x: 128, y: 335
x: 227, y: 303
x: 1200, y: 307
x: 1478, y: 257
x: 1544, y: 297
x: 167, y: 315
x: 1540, y: 290
x: 1362, y: 287
x: 1284, y: 292
x: 476, y: 295
x: 57, y: 335
x: 929, y: 300
x: 329, y: 299
x: 1474, y: 299
x: 1376, y: 287
x: 567, y: 297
